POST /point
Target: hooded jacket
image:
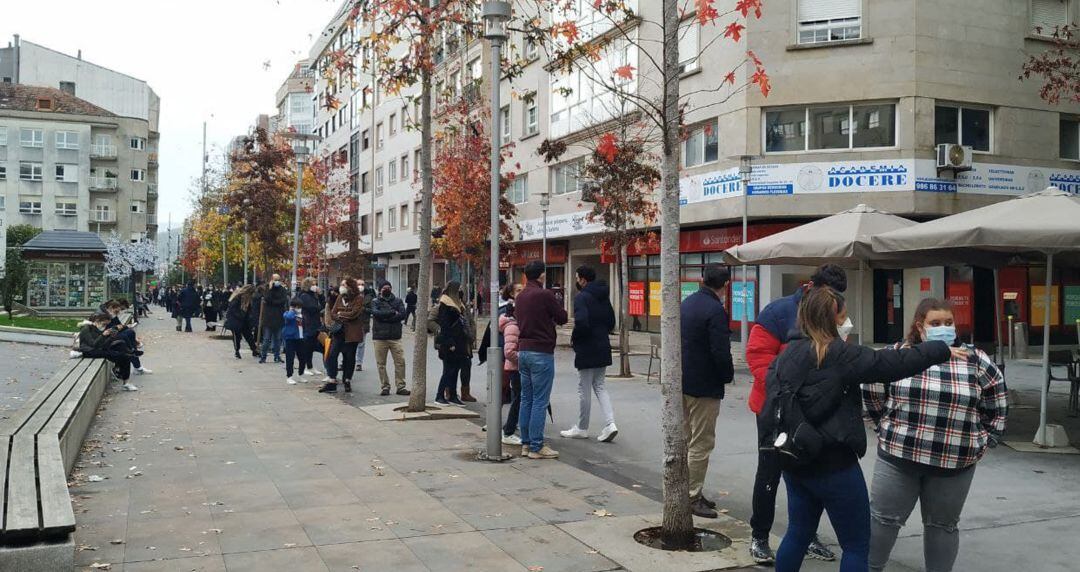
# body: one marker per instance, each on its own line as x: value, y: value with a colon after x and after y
x: 508, y: 331
x: 594, y: 318
x: 772, y: 330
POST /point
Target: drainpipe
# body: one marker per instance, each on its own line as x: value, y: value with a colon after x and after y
x: 17, y: 58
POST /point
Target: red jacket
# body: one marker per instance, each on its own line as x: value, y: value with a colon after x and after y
x: 761, y: 349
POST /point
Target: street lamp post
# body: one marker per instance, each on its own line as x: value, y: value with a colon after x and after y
x: 545, y: 203
x: 745, y: 168
x: 300, y: 150
x: 495, y: 15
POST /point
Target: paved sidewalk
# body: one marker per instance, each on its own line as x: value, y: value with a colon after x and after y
x: 217, y: 464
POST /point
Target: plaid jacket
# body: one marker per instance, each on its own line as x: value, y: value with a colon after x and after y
x: 944, y: 417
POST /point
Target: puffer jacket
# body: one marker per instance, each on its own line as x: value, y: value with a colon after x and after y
x: 509, y: 331
x: 594, y: 318
x: 770, y: 334
x: 387, y: 315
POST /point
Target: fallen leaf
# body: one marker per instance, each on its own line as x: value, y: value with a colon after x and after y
x: 101, y: 566
x: 536, y: 568
x: 290, y: 545
x: 116, y: 541
x: 83, y: 547
x: 601, y: 512
x: 96, y: 479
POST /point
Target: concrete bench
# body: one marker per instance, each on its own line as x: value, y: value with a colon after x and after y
x: 38, y: 447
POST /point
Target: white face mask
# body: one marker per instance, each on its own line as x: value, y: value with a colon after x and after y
x: 314, y: 288
x: 343, y: 290
x: 845, y: 329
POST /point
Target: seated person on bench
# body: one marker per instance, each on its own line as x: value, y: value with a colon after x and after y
x: 98, y: 340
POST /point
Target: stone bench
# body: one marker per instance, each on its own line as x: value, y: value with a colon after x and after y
x: 38, y: 447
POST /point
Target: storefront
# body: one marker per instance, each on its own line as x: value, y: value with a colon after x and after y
x: 67, y: 271
x: 523, y: 253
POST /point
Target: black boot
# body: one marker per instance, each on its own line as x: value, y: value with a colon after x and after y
x: 237, y: 354
x: 329, y: 387
x: 348, y: 386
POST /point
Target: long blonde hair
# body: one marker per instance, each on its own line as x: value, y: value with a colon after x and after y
x: 244, y: 293
x: 817, y: 318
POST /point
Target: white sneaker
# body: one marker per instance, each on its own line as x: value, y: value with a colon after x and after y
x: 327, y: 379
x: 143, y: 371
x: 511, y: 440
x: 575, y: 433
x: 74, y: 354
x: 608, y: 434
x: 313, y: 371
x: 290, y: 381
x: 302, y: 378
x: 129, y: 387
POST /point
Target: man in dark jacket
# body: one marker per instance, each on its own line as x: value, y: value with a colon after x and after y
x: 594, y: 318
x: 274, y: 304
x: 706, y: 368
x: 410, y: 307
x: 772, y: 330
x: 189, y: 304
x: 537, y: 312
x: 387, y: 314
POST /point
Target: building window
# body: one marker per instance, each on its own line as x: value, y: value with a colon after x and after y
x: 3, y: 173
x: 364, y: 230
x: 416, y: 164
x: 392, y: 218
x: 531, y: 50
x: 830, y: 127
x: 577, y: 101
x: 404, y: 210
x: 67, y: 140
x: 44, y: 104
x: 365, y: 140
x: 138, y: 175
x: 689, y: 48
x: 3, y: 202
x: 532, y: 115
x: 519, y: 190
x: 1049, y: 15
x: 702, y: 146
x: 965, y: 125
x: 67, y: 173
x: 829, y: 20
x: 405, y: 169
x: 3, y: 136
x: 378, y: 224
x: 31, y: 138
x: 378, y: 181
x: 393, y: 124
x: 564, y: 178
x: 1070, y: 138
x: 67, y: 87
x: 138, y: 207
x: 378, y: 135
x: 137, y: 143
x: 416, y: 217
x: 30, y: 171
x: 365, y: 183
x: 504, y: 120
x: 30, y: 207
x: 392, y: 168
x: 67, y: 209
x: 101, y: 213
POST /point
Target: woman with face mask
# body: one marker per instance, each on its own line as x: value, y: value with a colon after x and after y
x: 343, y: 318
x: 932, y: 428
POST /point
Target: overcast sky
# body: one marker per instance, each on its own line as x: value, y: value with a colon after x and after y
x: 215, y: 60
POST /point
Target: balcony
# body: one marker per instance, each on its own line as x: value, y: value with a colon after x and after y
x: 152, y: 160
x: 151, y: 190
x: 151, y: 219
x: 103, y: 151
x: 104, y: 184
x: 103, y: 217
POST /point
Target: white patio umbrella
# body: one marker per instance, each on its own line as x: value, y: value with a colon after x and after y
x: 1044, y: 223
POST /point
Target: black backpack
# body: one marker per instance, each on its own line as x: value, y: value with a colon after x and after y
x: 789, y: 431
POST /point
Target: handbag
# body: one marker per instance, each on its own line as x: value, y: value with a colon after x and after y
x: 334, y: 328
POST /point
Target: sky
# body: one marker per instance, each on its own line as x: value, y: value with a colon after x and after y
x: 219, y: 61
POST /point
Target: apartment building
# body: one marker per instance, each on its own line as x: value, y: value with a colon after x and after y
x: 81, y: 144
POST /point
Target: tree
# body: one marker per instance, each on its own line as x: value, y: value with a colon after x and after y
x: 124, y: 259
x: 17, y: 270
x: 400, y: 41
x: 329, y: 217
x: 1058, y: 67
x: 616, y: 51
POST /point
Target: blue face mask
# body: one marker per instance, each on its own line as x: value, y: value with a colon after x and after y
x: 945, y: 334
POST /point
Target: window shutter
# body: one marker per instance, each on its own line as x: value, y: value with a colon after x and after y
x: 813, y: 10
x: 1047, y: 14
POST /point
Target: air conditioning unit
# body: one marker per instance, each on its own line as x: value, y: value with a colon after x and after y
x: 953, y: 157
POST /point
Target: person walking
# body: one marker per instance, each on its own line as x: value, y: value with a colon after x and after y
x: 813, y: 412
x: 452, y: 342
x: 509, y: 334
x: 292, y: 334
x: 594, y: 318
x: 771, y: 332
x: 238, y: 319
x: 274, y: 304
x: 410, y: 307
x: 189, y: 305
x: 344, y: 320
x: 365, y: 320
x: 537, y: 312
x: 388, y: 315
x: 706, y: 368
x: 933, y: 428
x: 311, y: 318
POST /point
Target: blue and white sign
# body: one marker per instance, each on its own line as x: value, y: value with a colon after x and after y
x: 570, y: 224
x: 995, y: 179
x: 742, y: 296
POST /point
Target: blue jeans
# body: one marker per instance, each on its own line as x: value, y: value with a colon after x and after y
x: 271, y: 337
x: 843, y: 496
x: 537, y: 372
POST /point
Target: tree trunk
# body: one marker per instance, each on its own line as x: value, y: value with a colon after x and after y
x: 419, y: 374
x: 677, y: 529
x: 622, y: 273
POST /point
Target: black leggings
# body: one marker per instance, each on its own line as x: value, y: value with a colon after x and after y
x: 294, y: 349
x: 448, y: 382
x: 307, y: 348
x: 122, y: 361
x: 766, y: 480
x: 347, y: 350
x: 515, y: 403
x: 248, y: 337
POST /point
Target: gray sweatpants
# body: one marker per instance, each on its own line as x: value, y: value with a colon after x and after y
x: 592, y: 381
x: 941, y: 499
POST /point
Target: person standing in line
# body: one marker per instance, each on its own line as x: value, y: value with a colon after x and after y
x: 436, y: 295
x: 387, y: 315
x: 509, y: 334
x: 275, y: 303
x: 706, y: 368
x: 311, y: 316
x: 772, y: 330
x: 594, y: 318
x: 537, y: 312
x: 238, y: 320
x: 452, y: 343
x: 368, y: 296
x: 189, y: 304
x: 292, y: 334
x: 933, y: 428
x: 210, y: 313
x: 346, y: 317
x: 410, y: 307
x: 466, y: 366
x: 812, y: 394
x: 255, y: 317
